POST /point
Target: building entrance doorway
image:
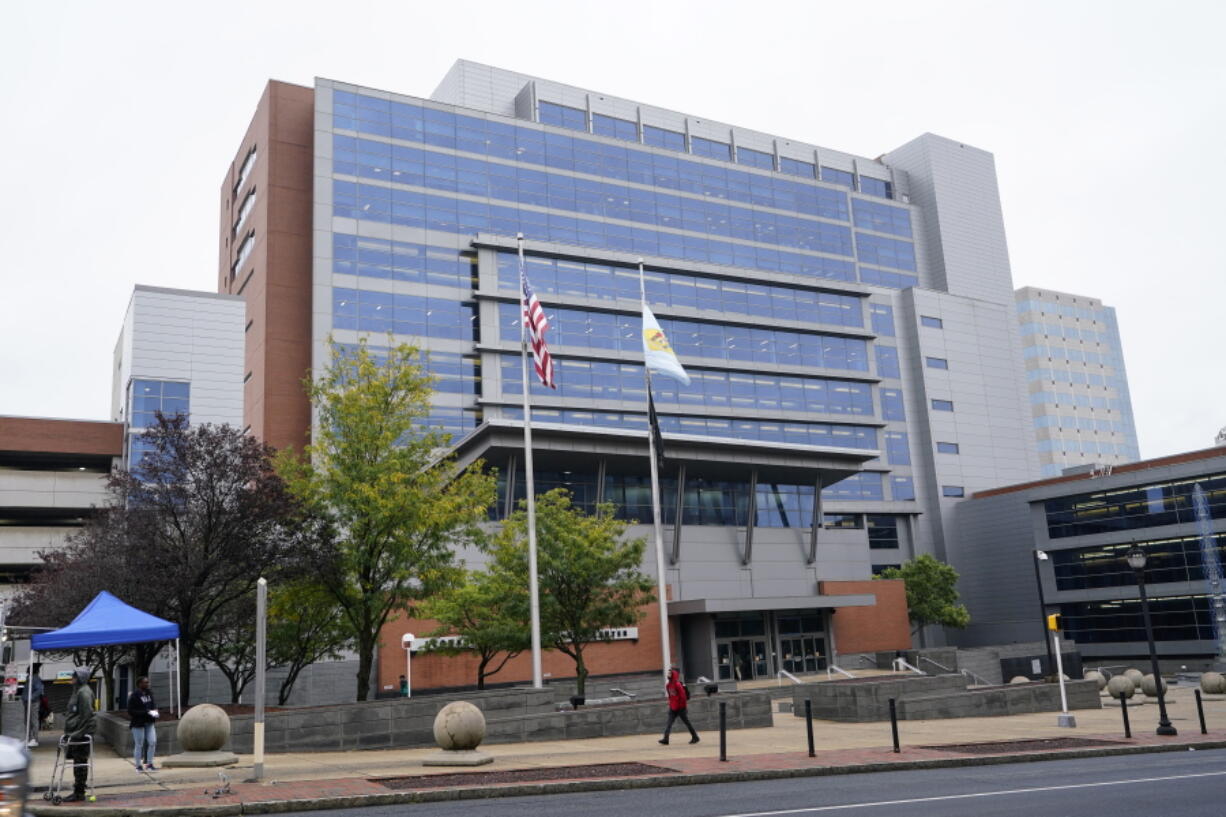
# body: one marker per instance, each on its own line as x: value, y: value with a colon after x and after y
x: 742, y: 659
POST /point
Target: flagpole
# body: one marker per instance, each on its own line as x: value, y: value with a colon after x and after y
x: 529, y: 482
x: 661, y: 584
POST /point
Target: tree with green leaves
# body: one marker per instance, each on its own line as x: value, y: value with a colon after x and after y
x: 932, y: 594
x: 489, y: 613
x: 397, y: 506
x: 589, y: 577
x: 305, y: 625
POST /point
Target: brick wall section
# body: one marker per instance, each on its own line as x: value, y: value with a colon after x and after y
x: 47, y: 436
x: 868, y: 629
x: 433, y: 671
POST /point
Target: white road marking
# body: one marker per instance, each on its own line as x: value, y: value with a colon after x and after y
x: 999, y: 793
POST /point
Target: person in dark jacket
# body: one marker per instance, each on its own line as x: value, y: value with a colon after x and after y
x: 79, y: 723
x: 677, y: 700
x: 144, y: 714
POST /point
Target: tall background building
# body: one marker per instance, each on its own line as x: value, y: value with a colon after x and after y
x: 848, y: 324
x: 1078, y: 386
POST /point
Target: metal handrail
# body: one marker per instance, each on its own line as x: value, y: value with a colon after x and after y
x: 792, y: 677
x: 901, y: 663
x: 870, y: 661
x: 832, y: 668
x: 976, y: 679
x: 934, y: 663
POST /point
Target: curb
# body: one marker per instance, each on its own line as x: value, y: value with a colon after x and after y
x: 41, y: 809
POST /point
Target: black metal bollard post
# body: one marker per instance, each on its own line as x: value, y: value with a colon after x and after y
x: 723, y: 731
x: 894, y: 725
x: 1200, y: 712
x: 809, y: 725
x: 1124, y: 711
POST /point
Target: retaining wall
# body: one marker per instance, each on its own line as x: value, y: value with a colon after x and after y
x: 867, y: 699
x: 1014, y: 699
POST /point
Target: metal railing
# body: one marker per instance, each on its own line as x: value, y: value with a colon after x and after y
x: 934, y: 663
x: 977, y: 680
x: 784, y: 673
x: 832, y: 668
x: 901, y: 664
x: 872, y: 662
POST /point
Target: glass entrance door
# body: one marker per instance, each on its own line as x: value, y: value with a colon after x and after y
x: 742, y: 659
x: 803, y: 654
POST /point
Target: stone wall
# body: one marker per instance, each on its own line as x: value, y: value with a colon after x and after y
x: 1017, y: 699
x: 512, y: 715
x: 867, y: 699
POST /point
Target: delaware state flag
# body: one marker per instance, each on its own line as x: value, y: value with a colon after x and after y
x: 657, y: 352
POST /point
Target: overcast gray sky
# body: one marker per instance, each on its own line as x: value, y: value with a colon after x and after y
x: 1106, y: 119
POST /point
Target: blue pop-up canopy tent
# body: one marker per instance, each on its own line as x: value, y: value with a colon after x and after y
x: 107, y: 620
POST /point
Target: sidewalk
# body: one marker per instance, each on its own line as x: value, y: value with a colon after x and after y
x: 315, y: 780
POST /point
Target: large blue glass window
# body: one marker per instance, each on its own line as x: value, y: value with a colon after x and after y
x: 897, y: 448
x: 694, y: 339
x: 371, y: 311
x: 829, y: 174
x: 818, y: 434
x: 876, y: 187
x: 551, y: 276
x: 883, y: 218
x: 755, y: 158
x: 710, y: 148
x: 605, y: 380
x: 562, y: 116
x: 902, y: 488
x: 401, y: 261
x: 1173, y: 559
x: 1145, y: 506
x: 795, y: 167
x: 866, y: 485
x: 892, y: 405
x: 149, y: 397
x: 614, y: 127
x: 887, y: 361
x: 883, y: 319
x: 661, y: 138
x: 885, y: 252
x: 886, y: 278
x: 1175, y: 618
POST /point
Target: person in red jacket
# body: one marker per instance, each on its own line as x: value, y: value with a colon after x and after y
x: 677, y: 700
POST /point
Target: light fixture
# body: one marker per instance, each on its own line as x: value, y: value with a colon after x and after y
x: 1136, y: 558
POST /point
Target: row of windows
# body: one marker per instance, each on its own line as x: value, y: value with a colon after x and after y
x: 609, y: 282
x: 1145, y: 506
x: 1063, y: 398
x: 244, y: 210
x: 1072, y: 354
x: 1055, y: 330
x: 244, y: 252
x: 820, y: 434
x: 694, y: 339
x: 882, y: 319
x: 453, y: 373
x: 1073, y: 378
x: 599, y: 380
x: 1174, y: 618
x: 1075, y: 446
x: 1065, y: 310
x: 245, y: 170
x: 1176, y: 559
x: 402, y: 261
x: 436, y: 212
x: 531, y: 146
x: 564, y: 116
x: 365, y: 310
x: 477, y: 177
x: 1080, y: 423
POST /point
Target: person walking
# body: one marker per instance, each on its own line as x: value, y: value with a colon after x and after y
x: 79, y: 724
x: 32, y: 695
x: 144, y: 714
x: 677, y: 700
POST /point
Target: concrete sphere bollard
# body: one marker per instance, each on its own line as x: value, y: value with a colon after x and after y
x: 203, y: 728
x: 1213, y: 683
x: 459, y: 726
x: 1019, y: 679
x: 1096, y: 677
x: 1134, y: 675
x: 1121, y: 686
x: 1149, y: 687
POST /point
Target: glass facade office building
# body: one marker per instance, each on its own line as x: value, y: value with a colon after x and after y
x: 1078, y: 386
x: 824, y: 305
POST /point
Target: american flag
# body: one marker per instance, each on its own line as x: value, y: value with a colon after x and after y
x: 536, y: 323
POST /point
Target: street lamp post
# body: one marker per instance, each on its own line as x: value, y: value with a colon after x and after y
x: 1038, y: 580
x: 1136, y: 560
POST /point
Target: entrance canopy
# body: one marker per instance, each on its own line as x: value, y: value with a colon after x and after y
x: 107, y: 620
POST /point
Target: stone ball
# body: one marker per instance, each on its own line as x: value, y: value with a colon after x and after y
x: 1135, y: 675
x: 1121, y: 686
x: 459, y: 726
x: 1097, y: 677
x: 203, y: 728
x: 1019, y: 679
x: 1213, y: 683
x: 1149, y: 687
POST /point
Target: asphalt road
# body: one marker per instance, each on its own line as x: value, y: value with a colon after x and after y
x: 1185, y: 783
